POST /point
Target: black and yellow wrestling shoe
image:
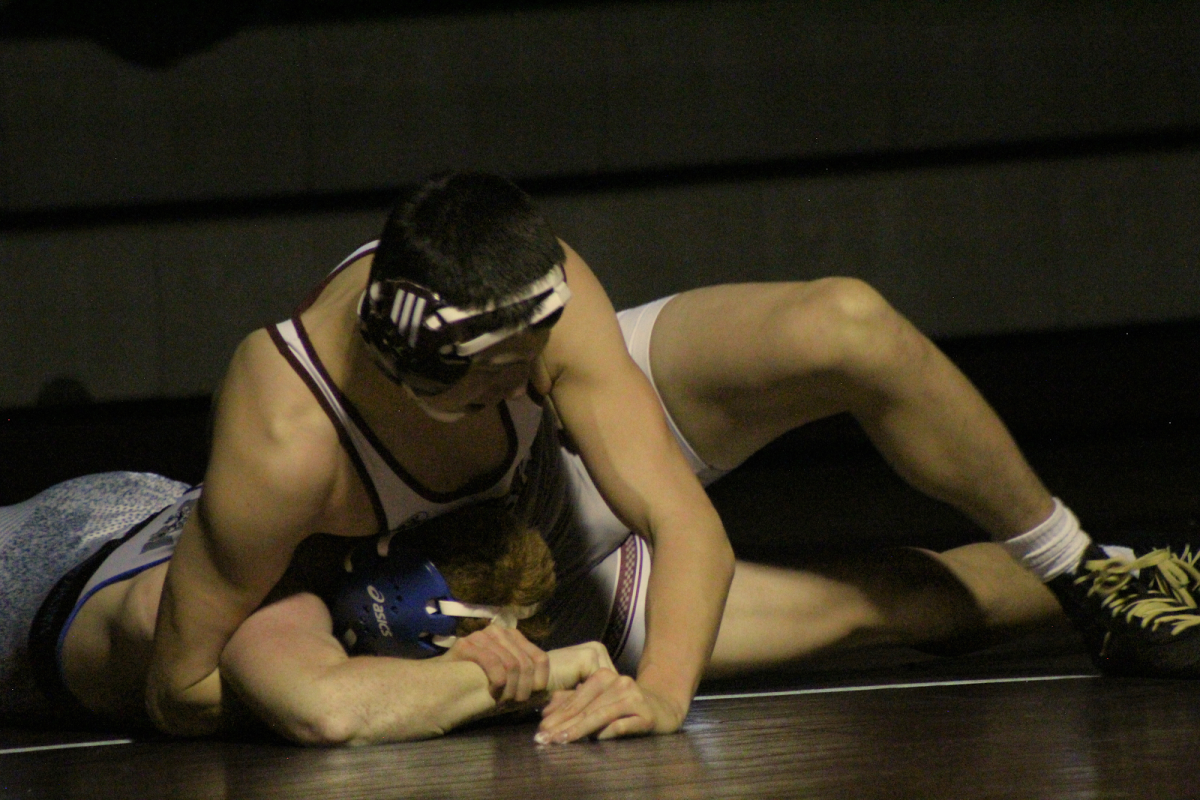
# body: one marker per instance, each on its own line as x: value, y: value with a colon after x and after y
x: 1138, y: 616
x: 1176, y: 575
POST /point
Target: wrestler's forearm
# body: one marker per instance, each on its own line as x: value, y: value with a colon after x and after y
x: 373, y: 700
x: 313, y: 694
x: 284, y: 665
x: 685, y: 600
x: 293, y: 676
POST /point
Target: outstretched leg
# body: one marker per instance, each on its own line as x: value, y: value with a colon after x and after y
x: 740, y: 364
x: 970, y: 596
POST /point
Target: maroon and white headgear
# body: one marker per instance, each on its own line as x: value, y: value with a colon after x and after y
x: 427, y: 344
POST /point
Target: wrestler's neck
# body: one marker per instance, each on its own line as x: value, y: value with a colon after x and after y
x: 331, y: 323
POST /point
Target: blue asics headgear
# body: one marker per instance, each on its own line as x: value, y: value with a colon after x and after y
x: 393, y: 602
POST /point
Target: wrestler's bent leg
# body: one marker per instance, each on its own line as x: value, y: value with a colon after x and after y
x: 731, y: 399
x: 738, y: 365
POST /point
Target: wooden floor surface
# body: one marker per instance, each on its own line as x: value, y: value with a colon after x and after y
x: 1061, y: 733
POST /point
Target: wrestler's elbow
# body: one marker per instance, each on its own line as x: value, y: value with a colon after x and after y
x: 321, y: 730
x: 340, y: 724
x: 713, y: 548
x: 190, y: 711
x: 727, y: 557
x: 319, y: 725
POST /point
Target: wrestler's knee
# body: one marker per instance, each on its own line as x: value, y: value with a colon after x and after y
x: 841, y: 325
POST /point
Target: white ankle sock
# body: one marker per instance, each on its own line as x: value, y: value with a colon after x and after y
x: 1052, y: 548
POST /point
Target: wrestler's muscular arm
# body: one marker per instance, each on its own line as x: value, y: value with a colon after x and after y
x: 613, y: 415
x: 286, y: 666
x: 270, y: 476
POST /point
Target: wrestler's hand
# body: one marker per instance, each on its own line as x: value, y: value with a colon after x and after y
x: 607, y: 705
x: 570, y: 666
x: 515, y: 667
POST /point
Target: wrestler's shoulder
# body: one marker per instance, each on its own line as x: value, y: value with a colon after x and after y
x: 257, y: 362
x: 269, y: 405
x: 588, y: 331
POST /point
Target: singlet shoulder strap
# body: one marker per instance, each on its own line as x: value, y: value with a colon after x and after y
x: 366, y: 249
x: 293, y: 345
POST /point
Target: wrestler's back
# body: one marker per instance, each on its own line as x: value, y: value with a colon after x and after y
x: 109, y: 643
x: 108, y: 646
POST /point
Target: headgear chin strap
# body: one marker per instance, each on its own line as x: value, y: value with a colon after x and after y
x: 426, y: 343
x: 393, y: 602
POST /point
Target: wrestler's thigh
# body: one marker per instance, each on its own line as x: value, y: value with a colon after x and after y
x: 739, y: 364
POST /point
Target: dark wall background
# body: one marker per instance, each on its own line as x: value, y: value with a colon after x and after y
x: 178, y: 178
x: 570, y: 91
x: 1020, y: 179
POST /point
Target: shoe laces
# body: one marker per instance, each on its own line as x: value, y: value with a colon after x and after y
x: 1176, y: 575
x: 1167, y: 601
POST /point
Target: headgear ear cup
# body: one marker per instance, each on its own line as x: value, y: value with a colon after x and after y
x: 387, y: 605
x: 392, y: 321
x: 423, y: 342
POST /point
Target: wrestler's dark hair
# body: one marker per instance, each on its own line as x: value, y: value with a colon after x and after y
x: 471, y: 237
x: 488, y: 557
